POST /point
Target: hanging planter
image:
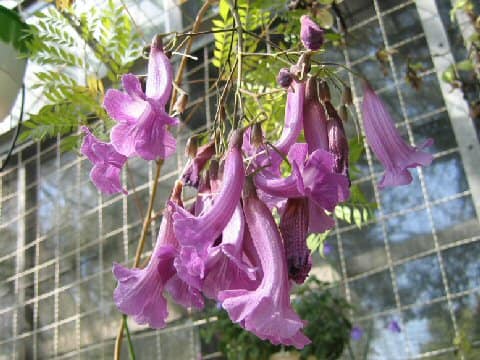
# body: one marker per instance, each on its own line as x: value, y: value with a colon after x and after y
x: 13, y: 39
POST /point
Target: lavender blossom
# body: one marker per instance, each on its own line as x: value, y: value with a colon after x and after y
x: 107, y: 163
x: 393, y: 152
x: 310, y: 33
x: 314, y: 119
x: 266, y: 311
x: 141, y: 117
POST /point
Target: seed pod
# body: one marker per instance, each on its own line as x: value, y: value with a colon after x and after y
x: 324, y: 91
x: 181, y: 103
x: 256, y: 136
x: 191, y: 147
x: 347, y: 98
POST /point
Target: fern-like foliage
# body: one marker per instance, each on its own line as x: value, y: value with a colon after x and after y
x: 77, y: 51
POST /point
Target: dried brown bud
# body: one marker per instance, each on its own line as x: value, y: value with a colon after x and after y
x: 181, y: 103
x: 324, y: 91
x: 236, y: 139
x: 191, y: 147
x: 347, y: 98
x: 177, y: 193
x: 256, y: 136
x: 343, y: 113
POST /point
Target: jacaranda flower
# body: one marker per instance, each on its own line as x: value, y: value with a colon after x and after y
x: 140, y: 291
x: 314, y: 119
x: 141, y: 117
x: 107, y: 163
x: 393, y: 152
x: 310, y: 33
x: 265, y: 311
x: 337, y: 140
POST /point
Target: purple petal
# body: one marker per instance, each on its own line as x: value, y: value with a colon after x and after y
x: 293, y: 117
x: 319, y: 221
x: 314, y: 119
x: 337, y: 140
x: 160, y: 74
x: 122, y: 107
x: 201, y: 231
x: 132, y: 86
x: 393, y: 152
x: 294, y: 229
x: 310, y: 33
x: 184, y: 294
x: 191, y: 174
x: 152, y: 139
x: 107, y: 178
x: 122, y: 137
x: 266, y: 311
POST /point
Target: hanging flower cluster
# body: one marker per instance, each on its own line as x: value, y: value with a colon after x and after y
x: 227, y: 246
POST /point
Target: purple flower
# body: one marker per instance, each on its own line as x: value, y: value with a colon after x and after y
x: 294, y: 230
x: 285, y: 78
x: 394, y: 327
x: 107, y: 163
x: 314, y: 119
x: 191, y: 176
x: 266, y: 311
x: 327, y: 249
x: 140, y: 291
x: 393, y: 152
x: 197, y: 233
x: 356, y: 333
x: 337, y: 140
x: 225, y: 267
x: 310, y: 33
x: 141, y: 117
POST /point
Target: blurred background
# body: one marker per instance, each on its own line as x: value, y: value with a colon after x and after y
x: 415, y: 262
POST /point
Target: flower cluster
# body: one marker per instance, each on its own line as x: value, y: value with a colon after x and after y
x: 227, y: 246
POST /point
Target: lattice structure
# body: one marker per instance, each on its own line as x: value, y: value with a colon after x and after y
x: 416, y: 262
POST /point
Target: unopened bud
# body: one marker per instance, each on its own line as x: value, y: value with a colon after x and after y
x: 311, y: 93
x: 324, y: 91
x: 256, y: 136
x: 236, y: 139
x: 347, y: 98
x: 181, y: 103
x: 310, y: 33
x: 284, y: 78
x: 157, y: 42
x: 191, y: 147
x: 343, y: 113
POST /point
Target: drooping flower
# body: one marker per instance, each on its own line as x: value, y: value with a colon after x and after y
x: 314, y: 119
x: 265, y: 311
x: 310, y: 33
x: 141, y: 117
x: 140, y: 291
x: 387, y: 144
x: 337, y: 140
x: 225, y: 267
x: 294, y: 229
x: 197, y: 233
x: 107, y: 163
x: 191, y: 175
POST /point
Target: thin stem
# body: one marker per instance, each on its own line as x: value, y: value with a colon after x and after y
x: 238, y: 96
x: 129, y: 339
x: 198, y: 20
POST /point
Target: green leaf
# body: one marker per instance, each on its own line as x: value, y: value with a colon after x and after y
x: 465, y: 65
x: 449, y: 75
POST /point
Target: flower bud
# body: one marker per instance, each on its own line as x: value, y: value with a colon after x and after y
x: 310, y: 33
x: 324, y: 91
x: 191, y: 147
x: 284, y: 78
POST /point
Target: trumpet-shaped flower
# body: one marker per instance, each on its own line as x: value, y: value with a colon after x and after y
x: 141, y: 117
x: 337, y: 140
x: 140, y: 291
x: 107, y: 163
x: 314, y: 119
x: 266, y: 311
x: 393, y: 152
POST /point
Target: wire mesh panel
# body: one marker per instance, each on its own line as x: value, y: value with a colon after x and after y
x: 416, y: 262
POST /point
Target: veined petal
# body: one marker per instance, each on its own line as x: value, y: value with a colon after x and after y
x: 192, y: 172
x: 132, y: 86
x: 293, y: 117
x: 106, y: 178
x: 319, y: 221
x: 122, y: 137
x: 393, y: 152
x: 122, y: 107
x: 265, y: 311
x: 160, y: 74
